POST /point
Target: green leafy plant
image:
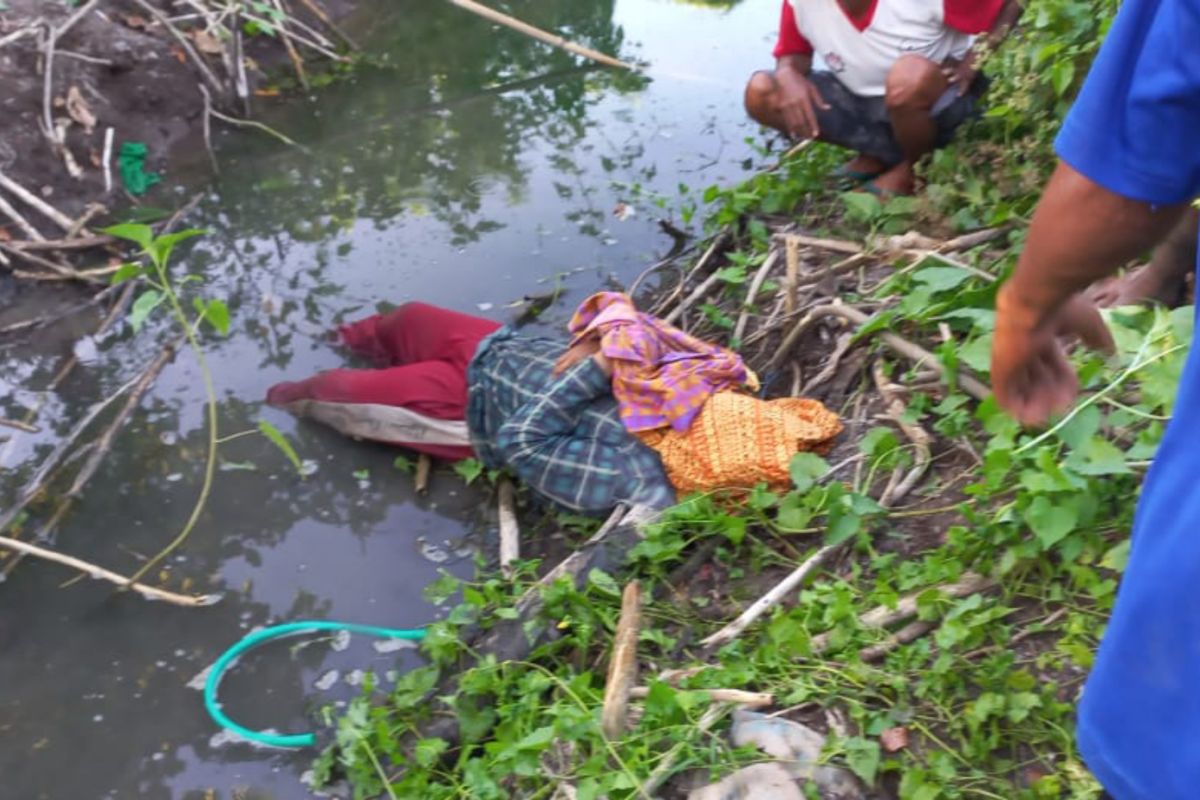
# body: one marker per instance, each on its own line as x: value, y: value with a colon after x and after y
x: 162, y: 290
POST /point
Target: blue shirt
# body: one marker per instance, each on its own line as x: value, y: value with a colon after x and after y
x: 1135, y: 130
x: 561, y: 435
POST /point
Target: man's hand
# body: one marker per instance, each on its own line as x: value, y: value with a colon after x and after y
x: 961, y: 74
x: 798, y: 101
x: 1031, y: 375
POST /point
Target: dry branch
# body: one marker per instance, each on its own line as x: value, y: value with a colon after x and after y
x: 623, y: 667
x: 752, y: 292
x: 148, y: 592
x: 510, y: 529
x: 736, y: 696
x: 540, y: 35
x: 33, y: 201
x: 424, y: 466
x: 906, y: 607
x: 769, y: 600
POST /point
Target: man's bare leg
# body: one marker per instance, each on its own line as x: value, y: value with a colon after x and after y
x: 1163, y: 280
x: 914, y: 85
x: 763, y: 107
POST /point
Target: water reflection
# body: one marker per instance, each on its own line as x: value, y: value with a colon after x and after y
x: 465, y: 166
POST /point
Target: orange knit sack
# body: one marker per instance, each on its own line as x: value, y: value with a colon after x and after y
x: 738, y: 441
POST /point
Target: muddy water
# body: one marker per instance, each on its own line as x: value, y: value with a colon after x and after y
x: 464, y: 166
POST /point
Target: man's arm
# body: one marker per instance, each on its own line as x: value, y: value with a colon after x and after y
x: 1081, y: 232
x: 963, y: 73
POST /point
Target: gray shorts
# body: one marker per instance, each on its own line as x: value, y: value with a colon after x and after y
x: 862, y: 123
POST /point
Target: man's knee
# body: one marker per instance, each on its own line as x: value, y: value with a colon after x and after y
x: 914, y: 82
x: 760, y: 95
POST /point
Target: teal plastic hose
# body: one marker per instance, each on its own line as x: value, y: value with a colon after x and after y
x: 270, y: 634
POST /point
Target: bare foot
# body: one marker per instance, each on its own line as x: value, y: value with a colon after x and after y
x: 897, y: 180
x: 864, y: 165
x: 1144, y: 284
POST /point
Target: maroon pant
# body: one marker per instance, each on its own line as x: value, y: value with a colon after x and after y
x: 422, y: 351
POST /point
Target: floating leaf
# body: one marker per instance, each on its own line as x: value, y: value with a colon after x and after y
x: 277, y: 438
x: 216, y: 313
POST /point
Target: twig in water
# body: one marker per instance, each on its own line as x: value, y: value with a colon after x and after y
x: 510, y: 529
x: 421, y: 480
x: 623, y: 666
x: 541, y: 35
x: 149, y: 592
x: 208, y: 129
x: 20, y: 426
x: 105, y: 441
x: 297, y: 63
x: 321, y: 14
x: 250, y: 123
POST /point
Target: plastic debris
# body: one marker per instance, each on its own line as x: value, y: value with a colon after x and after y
x: 132, y: 164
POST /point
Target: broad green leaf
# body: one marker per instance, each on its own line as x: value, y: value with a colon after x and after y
x: 469, y: 469
x: 842, y: 528
x: 794, y: 513
x: 127, y: 272
x: 1117, y: 556
x: 734, y: 275
x: 143, y: 307
x: 132, y: 232
x: 216, y: 313
x: 862, y: 756
x: 275, y: 437
x: 863, y: 205
x: 1098, y: 456
x: 1062, y: 74
x: 604, y: 582
x: 941, y: 279
x: 805, y: 469
x: 1050, y: 521
x: 161, y: 247
x: 404, y: 464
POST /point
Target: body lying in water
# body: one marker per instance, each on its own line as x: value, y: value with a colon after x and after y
x: 456, y: 386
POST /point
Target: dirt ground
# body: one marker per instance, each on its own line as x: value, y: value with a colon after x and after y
x: 116, y: 67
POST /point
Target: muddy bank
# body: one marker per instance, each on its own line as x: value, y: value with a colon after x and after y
x: 83, y: 83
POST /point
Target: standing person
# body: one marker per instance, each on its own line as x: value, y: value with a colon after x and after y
x: 896, y: 78
x: 1130, y: 151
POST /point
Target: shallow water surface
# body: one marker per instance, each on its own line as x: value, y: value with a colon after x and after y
x: 463, y: 165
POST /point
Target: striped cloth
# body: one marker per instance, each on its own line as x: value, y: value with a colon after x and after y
x: 662, y: 376
x: 560, y: 435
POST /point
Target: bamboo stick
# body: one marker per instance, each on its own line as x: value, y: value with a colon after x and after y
x: 541, y: 35
x: 149, y: 592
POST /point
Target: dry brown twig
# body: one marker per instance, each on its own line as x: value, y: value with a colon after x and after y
x: 148, y: 592
x: 510, y: 529
x: 623, y: 666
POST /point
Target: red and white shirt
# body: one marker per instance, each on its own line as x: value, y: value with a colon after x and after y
x: 861, y: 50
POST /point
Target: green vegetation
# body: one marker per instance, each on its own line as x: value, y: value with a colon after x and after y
x: 986, y: 698
x: 164, y: 289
